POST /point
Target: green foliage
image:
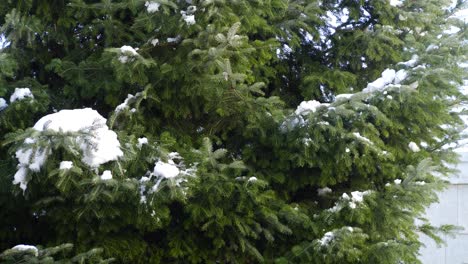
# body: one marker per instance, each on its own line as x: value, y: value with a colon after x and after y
x: 220, y: 104
x: 49, y: 255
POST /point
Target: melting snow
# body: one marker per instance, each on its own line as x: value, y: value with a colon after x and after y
x: 20, y: 94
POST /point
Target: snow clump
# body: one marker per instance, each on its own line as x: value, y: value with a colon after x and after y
x: 188, y: 15
x: 327, y: 238
x: 142, y: 141
x: 388, y: 76
x: 3, y: 104
x: 128, y: 53
x: 106, y: 175
x: 152, y: 7
x: 20, y: 94
x: 307, y: 106
x: 323, y: 191
x: 411, y: 63
x: 400, y: 76
x: 396, y: 3
x: 252, y: 179
x: 22, y: 247
x: 414, y: 147
x: 66, y: 165
x: 125, y: 104
x: 358, y: 136
x: 98, y: 144
x: 154, y: 42
x: 166, y: 169
x: 357, y: 197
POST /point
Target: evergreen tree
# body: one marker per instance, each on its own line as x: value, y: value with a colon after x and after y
x: 226, y: 131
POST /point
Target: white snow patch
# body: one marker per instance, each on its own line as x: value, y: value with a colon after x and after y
x: 252, y: 179
x: 20, y: 94
x: 20, y: 177
x: 307, y: 106
x: 323, y: 191
x: 387, y: 77
x: 345, y: 96
x: 432, y: 47
x: 410, y: 63
x: 396, y: 2
x: 104, y: 145
x: 152, y: 7
x: 154, y: 42
x: 357, y: 197
x: 414, y: 147
x: 188, y: 15
x: 22, y: 247
x: 142, y: 141
x: 128, y: 50
x: 400, y: 76
x: 3, y: 104
x: 106, y: 175
x: 452, y: 30
x: 327, y: 238
x: 39, y: 158
x: 166, y: 169
x: 66, y: 165
x: 358, y: 136
x: 171, y: 40
x: 127, y: 53
x: 99, y: 145
x: 124, y: 105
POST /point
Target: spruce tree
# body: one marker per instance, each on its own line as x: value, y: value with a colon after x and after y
x: 226, y: 131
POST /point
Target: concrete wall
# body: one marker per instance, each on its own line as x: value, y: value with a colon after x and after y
x: 452, y: 209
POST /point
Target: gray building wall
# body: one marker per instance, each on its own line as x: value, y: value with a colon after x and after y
x: 451, y: 209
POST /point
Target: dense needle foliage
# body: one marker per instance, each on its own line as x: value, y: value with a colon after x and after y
x: 276, y: 131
